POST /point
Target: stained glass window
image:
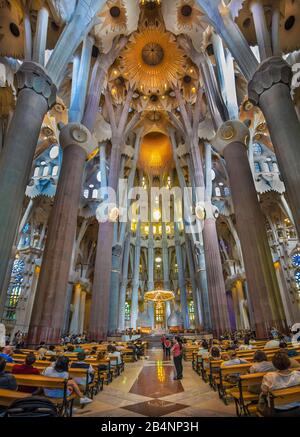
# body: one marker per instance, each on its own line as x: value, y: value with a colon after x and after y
x: 296, y: 259
x: 192, y: 310
x: 127, y: 311
x: 257, y: 167
x: 159, y: 313
x: 297, y: 276
x: 14, y: 289
x: 257, y: 149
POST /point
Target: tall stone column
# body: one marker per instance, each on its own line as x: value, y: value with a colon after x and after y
x: 270, y: 89
x: 261, y: 278
x: 195, y: 290
x: 114, y: 288
x: 36, y: 95
x: 231, y: 312
x: 82, y: 312
x: 215, y: 278
x: 74, y: 327
x: 136, y: 278
x: 40, y: 38
x: 151, y: 284
x: 123, y: 288
x: 165, y: 254
x: 50, y: 303
x: 181, y: 279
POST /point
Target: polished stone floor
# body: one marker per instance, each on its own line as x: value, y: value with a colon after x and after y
x: 147, y: 388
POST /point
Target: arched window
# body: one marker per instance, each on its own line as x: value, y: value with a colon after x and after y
x: 127, y: 312
x: 54, y: 152
x: 218, y: 192
x: 45, y: 171
x: 95, y: 194
x: 257, y: 149
x: 55, y: 170
x: 36, y: 172
x: 192, y: 311
x: 86, y: 194
x: 257, y: 167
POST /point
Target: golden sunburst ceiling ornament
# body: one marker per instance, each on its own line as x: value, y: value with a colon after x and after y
x: 152, y: 61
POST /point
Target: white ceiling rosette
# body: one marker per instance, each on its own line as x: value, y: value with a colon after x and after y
x: 185, y: 16
x: 118, y: 17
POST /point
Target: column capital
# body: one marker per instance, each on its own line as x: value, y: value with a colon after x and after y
x: 33, y: 76
x: 270, y: 72
x: 232, y: 131
x: 76, y: 134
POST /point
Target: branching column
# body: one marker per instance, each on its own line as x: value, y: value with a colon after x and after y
x: 37, y: 94
x: 151, y: 284
x: 50, y: 303
x: 181, y: 279
x: 270, y: 89
x: 260, y: 273
x: 124, y: 282
x: 136, y: 278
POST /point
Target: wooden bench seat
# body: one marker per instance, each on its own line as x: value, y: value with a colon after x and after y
x: 245, y: 401
x: 9, y: 396
x: 64, y: 405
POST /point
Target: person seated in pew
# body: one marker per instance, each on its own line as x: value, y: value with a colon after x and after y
x: 113, y: 353
x: 246, y: 345
x: 78, y: 349
x: 283, y: 377
x: 272, y: 343
x: 233, y: 360
x: 51, y: 350
x: 213, y: 355
x: 261, y: 363
x: 283, y: 348
x: 41, y: 351
x: 81, y: 364
x: 100, y: 357
x: 203, y: 347
x: 7, y: 380
x: 26, y: 369
x: 60, y: 370
x: 6, y: 353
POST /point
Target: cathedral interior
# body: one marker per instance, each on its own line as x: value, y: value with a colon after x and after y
x: 166, y: 95
x: 149, y: 205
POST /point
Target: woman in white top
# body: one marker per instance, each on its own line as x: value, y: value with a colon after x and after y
x: 284, y: 377
x: 60, y: 370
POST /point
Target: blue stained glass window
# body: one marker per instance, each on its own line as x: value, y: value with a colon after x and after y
x: 257, y: 167
x: 18, y: 267
x: 296, y: 259
x: 257, y: 149
x: 297, y: 276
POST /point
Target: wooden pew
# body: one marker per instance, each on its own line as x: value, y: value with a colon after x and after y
x: 9, y: 396
x: 284, y: 396
x: 226, y: 371
x: 245, y: 401
x: 64, y: 405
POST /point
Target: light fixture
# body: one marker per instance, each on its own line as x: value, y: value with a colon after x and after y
x: 158, y: 259
x: 159, y: 296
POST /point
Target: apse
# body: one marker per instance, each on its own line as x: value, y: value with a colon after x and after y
x: 156, y: 154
